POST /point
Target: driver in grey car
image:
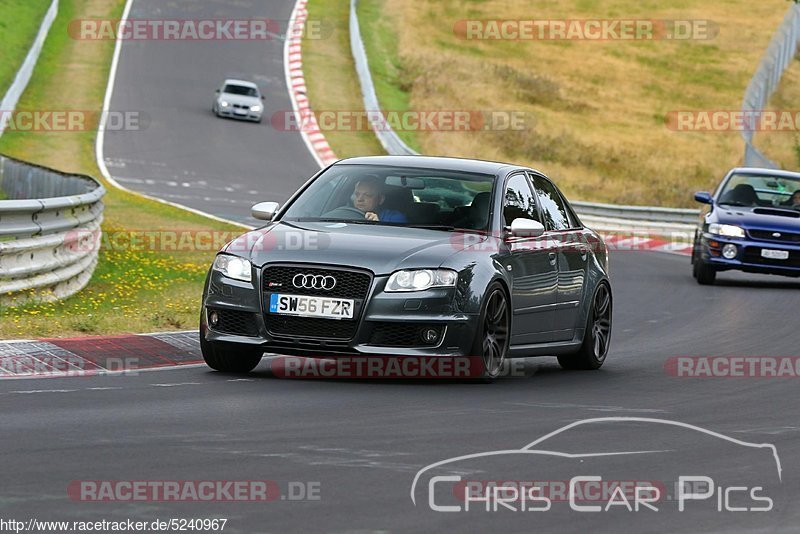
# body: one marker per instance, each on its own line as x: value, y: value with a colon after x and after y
x: 369, y: 196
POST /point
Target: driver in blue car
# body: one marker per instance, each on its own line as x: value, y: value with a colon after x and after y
x: 369, y: 197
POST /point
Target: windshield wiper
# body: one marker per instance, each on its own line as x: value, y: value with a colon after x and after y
x: 333, y: 220
x: 432, y: 226
x: 735, y: 203
x: 446, y: 228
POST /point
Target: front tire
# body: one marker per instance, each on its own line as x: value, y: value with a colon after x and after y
x: 229, y: 358
x: 494, y: 332
x: 704, y: 273
x: 596, y: 338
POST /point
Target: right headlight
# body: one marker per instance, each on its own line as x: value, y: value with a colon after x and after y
x: 725, y: 230
x: 224, y: 103
x: 233, y: 267
x: 420, y: 279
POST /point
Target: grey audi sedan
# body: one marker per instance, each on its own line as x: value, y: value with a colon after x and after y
x: 412, y: 256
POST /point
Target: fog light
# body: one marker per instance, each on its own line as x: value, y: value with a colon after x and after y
x: 430, y: 336
x: 729, y: 251
x: 213, y: 318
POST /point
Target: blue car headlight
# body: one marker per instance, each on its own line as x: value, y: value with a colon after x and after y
x: 233, y: 267
x: 725, y: 230
x: 420, y: 279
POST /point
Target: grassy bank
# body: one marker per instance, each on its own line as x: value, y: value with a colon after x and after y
x: 330, y: 76
x: 598, y: 109
x: 19, y: 24
x: 131, y: 290
x: 783, y: 147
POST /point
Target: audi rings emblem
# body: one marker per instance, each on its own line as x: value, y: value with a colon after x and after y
x: 314, y: 281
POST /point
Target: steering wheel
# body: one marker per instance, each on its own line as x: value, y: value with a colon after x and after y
x: 345, y: 212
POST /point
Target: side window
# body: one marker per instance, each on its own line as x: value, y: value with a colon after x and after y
x: 553, y: 209
x: 574, y: 220
x: 520, y: 201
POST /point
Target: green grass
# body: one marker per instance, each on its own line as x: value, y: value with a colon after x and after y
x: 598, y: 108
x: 331, y: 80
x: 19, y: 24
x: 131, y: 291
x: 390, y: 75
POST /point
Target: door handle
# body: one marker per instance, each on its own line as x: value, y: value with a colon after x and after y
x: 552, y: 256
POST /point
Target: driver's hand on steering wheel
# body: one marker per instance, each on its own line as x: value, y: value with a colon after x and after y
x: 371, y: 216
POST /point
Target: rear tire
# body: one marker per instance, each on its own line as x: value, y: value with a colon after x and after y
x: 704, y: 273
x: 596, y: 338
x: 230, y: 358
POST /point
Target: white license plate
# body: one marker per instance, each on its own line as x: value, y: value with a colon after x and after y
x: 326, y: 307
x: 775, y: 254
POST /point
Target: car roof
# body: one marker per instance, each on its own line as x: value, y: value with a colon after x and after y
x: 765, y: 172
x: 434, y: 162
x: 240, y: 82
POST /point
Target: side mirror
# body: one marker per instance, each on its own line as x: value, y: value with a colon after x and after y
x: 265, y: 211
x: 703, y: 197
x: 526, y: 228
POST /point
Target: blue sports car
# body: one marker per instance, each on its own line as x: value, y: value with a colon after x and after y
x: 752, y: 225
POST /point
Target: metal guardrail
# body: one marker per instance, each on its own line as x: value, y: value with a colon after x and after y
x: 629, y: 215
x: 638, y: 213
x: 776, y: 60
x: 386, y: 135
x: 49, y: 231
x: 23, y: 76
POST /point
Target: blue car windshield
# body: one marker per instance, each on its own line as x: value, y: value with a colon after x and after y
x: 753, y: 190
x: 373, y: 194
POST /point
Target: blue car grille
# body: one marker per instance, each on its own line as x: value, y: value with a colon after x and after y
x: 753, y: 255
x: 770, y: 235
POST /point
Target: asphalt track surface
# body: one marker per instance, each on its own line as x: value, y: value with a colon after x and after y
x: 363, y: 442
x: 183, y: 153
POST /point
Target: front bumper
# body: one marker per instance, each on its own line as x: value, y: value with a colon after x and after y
x: 243, y: 304
x: 234, y: 113
x: 749, y: 258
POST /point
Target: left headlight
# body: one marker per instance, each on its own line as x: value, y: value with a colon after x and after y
x: 726, y: 230
x: 233, y: 267
x: 257, y: 107
x: 420, y: 279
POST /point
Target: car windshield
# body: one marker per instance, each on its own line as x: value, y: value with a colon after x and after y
x: 753, y: 190
x: 240, y: 90
x: 371, y: 194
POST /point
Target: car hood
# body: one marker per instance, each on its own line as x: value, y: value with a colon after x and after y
x: 381, y: 249
x: 242, y: 100
x: 758, y: 218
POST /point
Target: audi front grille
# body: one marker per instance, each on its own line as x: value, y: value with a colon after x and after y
x: 350, y: 284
